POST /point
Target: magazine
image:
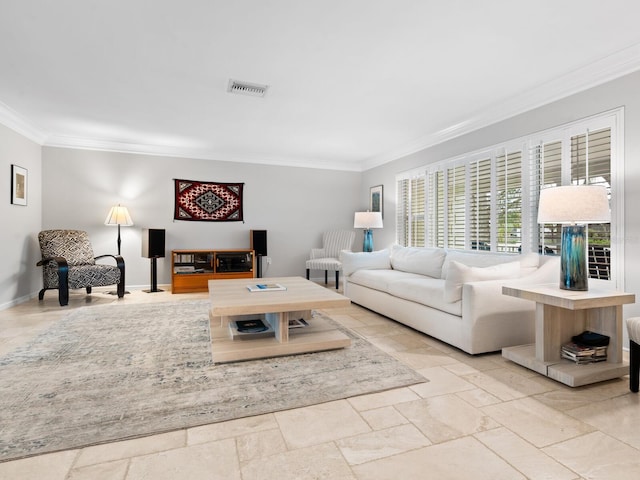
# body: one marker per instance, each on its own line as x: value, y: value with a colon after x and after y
x: 297, y: 323
x: 265, y: 287
x: 248, y: 329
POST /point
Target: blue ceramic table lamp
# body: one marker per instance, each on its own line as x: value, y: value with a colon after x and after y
x: 367, y: 220
x: 574, y: 206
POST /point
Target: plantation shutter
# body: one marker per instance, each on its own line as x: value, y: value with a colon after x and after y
x: 402, y: 212
x: 410, y: 211
x: 591, y: 165
x: 435, y: 208
x: 456, y: 199
x: 550, y: 165
x: 509, y: 201
x: 480, y: 204
x: 418, y: 211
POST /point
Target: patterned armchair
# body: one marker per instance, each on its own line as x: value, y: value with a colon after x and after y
x: 68, y: 262
x: 328, y: 257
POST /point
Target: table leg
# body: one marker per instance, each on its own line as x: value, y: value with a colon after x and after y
x: 280, y: 323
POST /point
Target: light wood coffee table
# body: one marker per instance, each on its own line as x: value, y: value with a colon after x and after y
x: 231, y: 300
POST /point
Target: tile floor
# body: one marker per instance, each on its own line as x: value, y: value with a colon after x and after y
x: 478, y: 417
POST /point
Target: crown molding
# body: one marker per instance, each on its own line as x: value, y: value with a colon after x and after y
x: 60, y: 141
x: 11, y: 119
x: 602, y: 71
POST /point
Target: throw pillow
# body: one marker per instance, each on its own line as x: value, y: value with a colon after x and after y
x: 476, y: 259
x: 459, y: 274
x: 423, y: 261
x: 529, y: 263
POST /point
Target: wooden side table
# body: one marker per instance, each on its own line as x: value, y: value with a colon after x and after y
x: 561, y: 314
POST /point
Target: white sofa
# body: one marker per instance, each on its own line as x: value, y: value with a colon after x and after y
x: 451, y: 295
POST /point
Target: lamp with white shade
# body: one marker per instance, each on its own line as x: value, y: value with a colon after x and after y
x: 574, y: 206
x: 119, y: 215
x: 367, y: 220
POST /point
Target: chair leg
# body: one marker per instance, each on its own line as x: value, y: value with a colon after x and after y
x: 63, y: 285
x: 634, y: 366
x: 41, y: 294
x: 307, y: 274
x: 63, y: 295
x: 337, y: 278
x: 326, y: 277
x: 89, y: 290
x: 120, y: 290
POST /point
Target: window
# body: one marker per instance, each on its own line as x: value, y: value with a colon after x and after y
x: 488, y: 200
x: 589, y: 163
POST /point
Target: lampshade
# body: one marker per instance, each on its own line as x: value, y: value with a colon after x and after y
x: 574, y: 204
x: 367, y: 220
x: 119, y: 215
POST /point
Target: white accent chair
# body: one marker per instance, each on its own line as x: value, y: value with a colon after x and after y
x: 633, y: 327
x: 328, y: 257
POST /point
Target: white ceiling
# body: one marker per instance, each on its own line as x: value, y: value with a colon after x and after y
x: 352, y: 83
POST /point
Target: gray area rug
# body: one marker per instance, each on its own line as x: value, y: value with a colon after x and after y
x: 116, y: 372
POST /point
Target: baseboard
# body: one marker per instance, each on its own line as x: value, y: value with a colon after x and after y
x: 18, y: 301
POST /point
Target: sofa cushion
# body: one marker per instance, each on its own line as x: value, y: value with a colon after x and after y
x: 475, y: 259
x: 426, y: 291
x: 352, y: 261
x: 380, y: 279
x: 425, y: 261
x: 460, y: 274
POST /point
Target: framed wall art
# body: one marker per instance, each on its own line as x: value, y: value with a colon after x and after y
x: 18, y: 185
x: 376, y: 199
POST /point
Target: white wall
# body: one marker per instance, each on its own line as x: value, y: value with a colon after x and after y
x: 294, y: 205
x: 624, y: 92
x: 19, y: 277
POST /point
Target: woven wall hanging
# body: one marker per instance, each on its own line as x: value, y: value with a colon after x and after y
x: 208, y: 201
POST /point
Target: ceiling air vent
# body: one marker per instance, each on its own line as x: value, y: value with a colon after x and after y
x: 246, y: 88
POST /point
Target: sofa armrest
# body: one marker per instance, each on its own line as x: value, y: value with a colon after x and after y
x: 353, y: 261
x: 481, y: 299
x: 484, y: 302
x: 485, y: 297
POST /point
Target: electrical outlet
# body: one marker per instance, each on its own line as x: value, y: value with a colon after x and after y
x: 268, y: 260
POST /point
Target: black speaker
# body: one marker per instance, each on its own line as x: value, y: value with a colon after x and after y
x: 152, y: 243
x: 259, y: 241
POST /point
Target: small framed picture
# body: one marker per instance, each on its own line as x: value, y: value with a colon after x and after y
x: 18, y: 185
x: 376, y: 200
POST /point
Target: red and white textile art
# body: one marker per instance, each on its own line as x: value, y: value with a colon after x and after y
x: 208, y: 201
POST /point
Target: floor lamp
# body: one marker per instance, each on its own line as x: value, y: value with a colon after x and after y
x: 118, y: 215
x: 574, y: 206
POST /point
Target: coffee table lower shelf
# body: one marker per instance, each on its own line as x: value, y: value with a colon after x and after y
x: 566, y: 371
x: 318, y: 336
